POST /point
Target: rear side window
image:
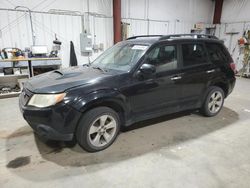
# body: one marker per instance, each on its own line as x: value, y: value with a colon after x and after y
x: 193, y: 54
x: 217, y: 53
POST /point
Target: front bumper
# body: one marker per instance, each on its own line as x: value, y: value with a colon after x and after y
x: 57, y: 122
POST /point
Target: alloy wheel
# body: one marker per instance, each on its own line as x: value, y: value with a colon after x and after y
x: 102, y: 130
x: 215, y: 102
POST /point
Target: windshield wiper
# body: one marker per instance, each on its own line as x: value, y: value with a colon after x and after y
x: 99, y: 68
x: 58, y: 72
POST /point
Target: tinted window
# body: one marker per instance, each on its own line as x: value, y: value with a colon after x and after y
x: 193, y: 54
x: 216, y: 53
x: 163, y: 57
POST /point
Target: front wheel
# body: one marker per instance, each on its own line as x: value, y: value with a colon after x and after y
x: 98, y: 129
x: 213, y: 102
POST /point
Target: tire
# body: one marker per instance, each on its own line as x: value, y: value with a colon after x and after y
x: 98, y: 129
x: 213, y: 102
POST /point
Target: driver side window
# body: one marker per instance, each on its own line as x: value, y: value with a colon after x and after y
x: 164, y: 58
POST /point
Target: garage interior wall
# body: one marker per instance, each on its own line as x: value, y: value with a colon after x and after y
x: 235, y: 18
x: 15, y: 26
x: 165, y: 16
x: 144, y: 17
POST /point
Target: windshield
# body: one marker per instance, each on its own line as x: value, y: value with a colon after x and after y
x: 122, y: 57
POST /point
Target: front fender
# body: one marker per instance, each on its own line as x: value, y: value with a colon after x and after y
x: 100, y: 97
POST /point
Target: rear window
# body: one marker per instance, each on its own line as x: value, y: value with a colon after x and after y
x: 193, y: 54
x: 217, y: 53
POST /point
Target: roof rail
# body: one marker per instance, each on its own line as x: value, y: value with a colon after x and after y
x: 143, y: 36
x: 189, y: 35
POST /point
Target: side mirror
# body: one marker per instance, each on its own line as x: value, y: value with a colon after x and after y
x: 147, y: 69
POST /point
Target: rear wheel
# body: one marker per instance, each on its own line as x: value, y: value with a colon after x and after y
x: 213, y: 102
x: 98, y: 129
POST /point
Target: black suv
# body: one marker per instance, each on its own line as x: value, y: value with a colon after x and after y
x: 137, y: 79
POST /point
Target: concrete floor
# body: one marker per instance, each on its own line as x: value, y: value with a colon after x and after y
x: 181, y: 150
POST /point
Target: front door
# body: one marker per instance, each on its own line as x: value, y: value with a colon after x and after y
x: 159, y: 93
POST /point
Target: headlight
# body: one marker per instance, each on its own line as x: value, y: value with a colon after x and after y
x: 45, y: 100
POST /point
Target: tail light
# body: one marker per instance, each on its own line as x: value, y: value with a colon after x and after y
x: 233, y: 67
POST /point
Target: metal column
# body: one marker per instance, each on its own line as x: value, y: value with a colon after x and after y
x: 117, y: 20
x: 217, y: 11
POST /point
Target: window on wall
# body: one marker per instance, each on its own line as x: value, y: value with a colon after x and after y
x: 163, y: 57
x: 193, y: 54
x: 216, y: 53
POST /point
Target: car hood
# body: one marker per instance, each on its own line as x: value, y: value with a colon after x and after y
x: 60, y: 80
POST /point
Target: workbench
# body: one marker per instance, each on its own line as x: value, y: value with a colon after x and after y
x: 30, y: 63
x: 16, y: 63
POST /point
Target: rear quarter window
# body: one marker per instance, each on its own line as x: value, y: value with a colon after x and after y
x: 193, y: 54
x: 217, y: 53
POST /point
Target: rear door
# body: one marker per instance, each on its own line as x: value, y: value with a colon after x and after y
x: 197, y: 72
x: 221, y: 58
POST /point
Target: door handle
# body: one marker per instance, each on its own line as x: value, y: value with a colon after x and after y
x: 176, y: 78
x: 210, y: 71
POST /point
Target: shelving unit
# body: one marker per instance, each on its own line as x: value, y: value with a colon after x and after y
x: 246, y: 72
x: 14, y: 75
x: 8, y: 95
x: 30, y: 64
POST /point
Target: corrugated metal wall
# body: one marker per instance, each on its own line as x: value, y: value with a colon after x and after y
x: 157, y: 27
x: 235, y: 18
x: 144, y: 16
x: 222, y: 31
x: 15, y: 26
x: 165, y: 16
x: 16, y: 32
